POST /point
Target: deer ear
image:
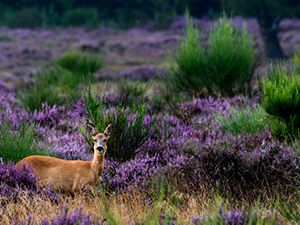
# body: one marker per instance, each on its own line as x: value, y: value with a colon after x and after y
x: 90, y: 128
x: 108, y: 130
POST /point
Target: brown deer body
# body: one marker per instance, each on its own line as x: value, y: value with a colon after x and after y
x: 70, y: 175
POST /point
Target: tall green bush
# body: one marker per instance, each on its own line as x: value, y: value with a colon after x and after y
x: 129, y: 130
x: 230, y: 59
x: 225, y: 67
x: 189, y: 72
x: 281, y: 97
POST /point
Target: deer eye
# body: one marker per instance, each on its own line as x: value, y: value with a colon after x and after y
x: 104, y: 141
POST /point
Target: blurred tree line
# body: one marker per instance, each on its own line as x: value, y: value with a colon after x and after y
x: 125, y: 13
x: 122, y: 13
x: 269, y: 13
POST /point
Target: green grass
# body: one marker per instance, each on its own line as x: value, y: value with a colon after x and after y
x: 224, y: 68
x: 296, y: 61
x: 16, y: 145
x: 281, y: 98
x: 245, y: 120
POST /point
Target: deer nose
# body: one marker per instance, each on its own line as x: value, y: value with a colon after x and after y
x: 100, y: 149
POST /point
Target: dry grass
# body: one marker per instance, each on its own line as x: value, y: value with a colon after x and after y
x: 128, y: 208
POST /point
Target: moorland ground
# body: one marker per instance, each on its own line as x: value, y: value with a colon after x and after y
x: 206, y: 154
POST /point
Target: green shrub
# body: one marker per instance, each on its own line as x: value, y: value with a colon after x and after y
x: 27, y: 17
x: 81, y: 64
x: 225, y: 67
x: 81, y: 17
x: 281, y: 97
x: 16, y: 145
x: 245, y: 121
x: 128, y: 131
x: 96, y: 110
x: 231, y: 57
x: 189, y: 73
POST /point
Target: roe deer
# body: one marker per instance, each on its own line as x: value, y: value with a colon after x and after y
x: 70, y: 175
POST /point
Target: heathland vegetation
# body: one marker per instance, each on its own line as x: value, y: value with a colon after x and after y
x: 203, y: 149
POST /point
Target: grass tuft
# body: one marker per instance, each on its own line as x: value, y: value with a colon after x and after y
x: 245, y: 121
x: 80, y: 64
x: 129, y: 128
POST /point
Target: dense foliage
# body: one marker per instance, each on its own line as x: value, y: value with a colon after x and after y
x: 281, y: 97
x: 226, y: 72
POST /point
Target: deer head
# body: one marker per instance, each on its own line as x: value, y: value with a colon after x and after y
x: 99, y: 139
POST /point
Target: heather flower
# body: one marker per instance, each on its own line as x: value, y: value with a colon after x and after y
x: 65, y: 145
x: 11, y: 112
x: 14, y: 182
x: 201, y: 152
x: 76, y: 217
x: 111, y: 100
x: 234, y: 217
x: 146, y: 121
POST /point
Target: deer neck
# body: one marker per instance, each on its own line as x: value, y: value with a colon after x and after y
x: 98, y: 163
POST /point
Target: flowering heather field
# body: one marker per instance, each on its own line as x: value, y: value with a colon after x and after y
x: 188, y: 164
